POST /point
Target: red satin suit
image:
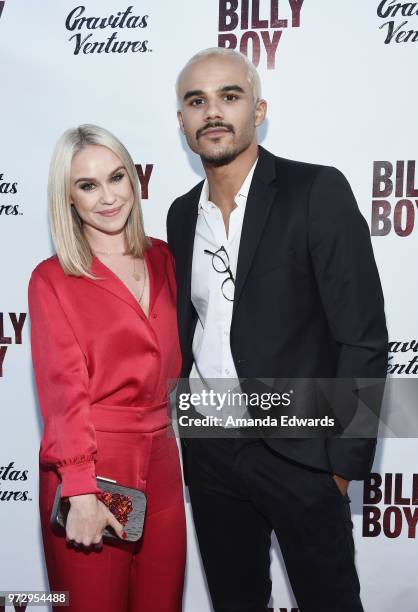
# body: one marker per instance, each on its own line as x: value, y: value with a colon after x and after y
x: 102, y: 369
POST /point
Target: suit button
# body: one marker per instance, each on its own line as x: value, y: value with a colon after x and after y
x: 154, y: 315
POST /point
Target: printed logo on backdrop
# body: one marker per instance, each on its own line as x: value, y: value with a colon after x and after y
x: 144, y: 175
x: 403, y: 358
x: 390, y: 505
x: 255, y: 27
x: 395, y: 198
x: 11, y: 480
x: 8, y: 191
x: 122, y: 31
x: 11, y: 326
x: 396, y: 28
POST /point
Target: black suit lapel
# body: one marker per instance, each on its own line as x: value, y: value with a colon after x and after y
x: 184, y: 257
x: 189, y: 231
x: 260, y: 199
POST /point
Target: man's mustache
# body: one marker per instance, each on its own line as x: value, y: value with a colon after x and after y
x: 217, y: 124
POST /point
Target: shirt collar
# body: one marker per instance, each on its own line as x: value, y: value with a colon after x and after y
x: 240, y: 197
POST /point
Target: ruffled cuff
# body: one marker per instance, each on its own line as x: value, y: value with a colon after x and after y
x: 78, y: 477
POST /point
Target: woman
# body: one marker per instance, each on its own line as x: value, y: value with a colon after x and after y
x: 104, y: 346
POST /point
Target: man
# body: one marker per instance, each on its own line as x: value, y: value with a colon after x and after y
x: 306, y: 302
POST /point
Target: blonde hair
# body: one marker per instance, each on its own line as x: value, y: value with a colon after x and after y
x: 72, y: 247
x: 252, y: 74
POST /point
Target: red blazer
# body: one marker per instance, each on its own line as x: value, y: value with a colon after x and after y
x: 98, y: 361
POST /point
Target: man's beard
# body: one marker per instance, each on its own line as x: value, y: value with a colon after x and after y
x: 219, y: 159
x: 222, y: 158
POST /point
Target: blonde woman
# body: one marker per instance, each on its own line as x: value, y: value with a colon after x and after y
x: 104, y: 343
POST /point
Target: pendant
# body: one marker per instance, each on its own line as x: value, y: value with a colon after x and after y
x: 136, y: 276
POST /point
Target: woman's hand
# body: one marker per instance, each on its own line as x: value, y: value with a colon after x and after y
x: 87, y: 518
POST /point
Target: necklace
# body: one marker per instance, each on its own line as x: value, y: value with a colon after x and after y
x: 137, y: 277
x: 109, y: 252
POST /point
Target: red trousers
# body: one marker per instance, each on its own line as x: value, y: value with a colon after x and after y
x: 146, y: 576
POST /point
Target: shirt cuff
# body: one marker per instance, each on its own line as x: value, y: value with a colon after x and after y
x: 78, y: 479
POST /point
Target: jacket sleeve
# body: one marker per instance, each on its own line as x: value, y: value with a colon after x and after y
x: 350, y: 291
x: 69, y: 441
x: 170, y: 228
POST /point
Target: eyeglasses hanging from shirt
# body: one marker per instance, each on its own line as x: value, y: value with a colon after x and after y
x: 221, y: 264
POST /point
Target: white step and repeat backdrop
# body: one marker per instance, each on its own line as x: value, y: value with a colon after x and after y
x: 340, y: 79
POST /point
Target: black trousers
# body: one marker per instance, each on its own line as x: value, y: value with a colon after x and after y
x: 241, y: 491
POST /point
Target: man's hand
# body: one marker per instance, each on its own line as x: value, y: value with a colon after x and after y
x: 341, y: 483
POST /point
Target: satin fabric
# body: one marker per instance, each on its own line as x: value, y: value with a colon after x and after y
x: 93, y: 345
x: 128, y: 577
x: 103, y: 369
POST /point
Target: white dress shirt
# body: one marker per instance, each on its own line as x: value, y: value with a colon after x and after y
x: 211, y: 343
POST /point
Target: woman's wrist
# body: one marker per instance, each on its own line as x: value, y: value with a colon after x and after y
x: 83, y: 498
x: 78, y: 479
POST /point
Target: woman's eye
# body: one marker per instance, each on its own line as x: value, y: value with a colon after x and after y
x: 87, y: 186
x: 117, y: 177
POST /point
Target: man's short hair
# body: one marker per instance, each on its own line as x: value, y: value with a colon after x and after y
x: 252, y: 74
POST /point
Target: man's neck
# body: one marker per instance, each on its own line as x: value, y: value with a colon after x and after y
x: 224, y: 181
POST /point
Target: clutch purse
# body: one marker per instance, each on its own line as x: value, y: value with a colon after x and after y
x: 126, y: 504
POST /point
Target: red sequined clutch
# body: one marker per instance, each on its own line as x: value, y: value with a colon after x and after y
x: 127, y: 504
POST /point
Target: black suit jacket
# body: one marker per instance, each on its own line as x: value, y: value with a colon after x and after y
x: 308, y: 300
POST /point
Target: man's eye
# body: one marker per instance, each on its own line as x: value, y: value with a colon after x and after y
x: 197, y: 102
x: 87, y: 186
x: 116, y: 178
x: 230, y: 97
